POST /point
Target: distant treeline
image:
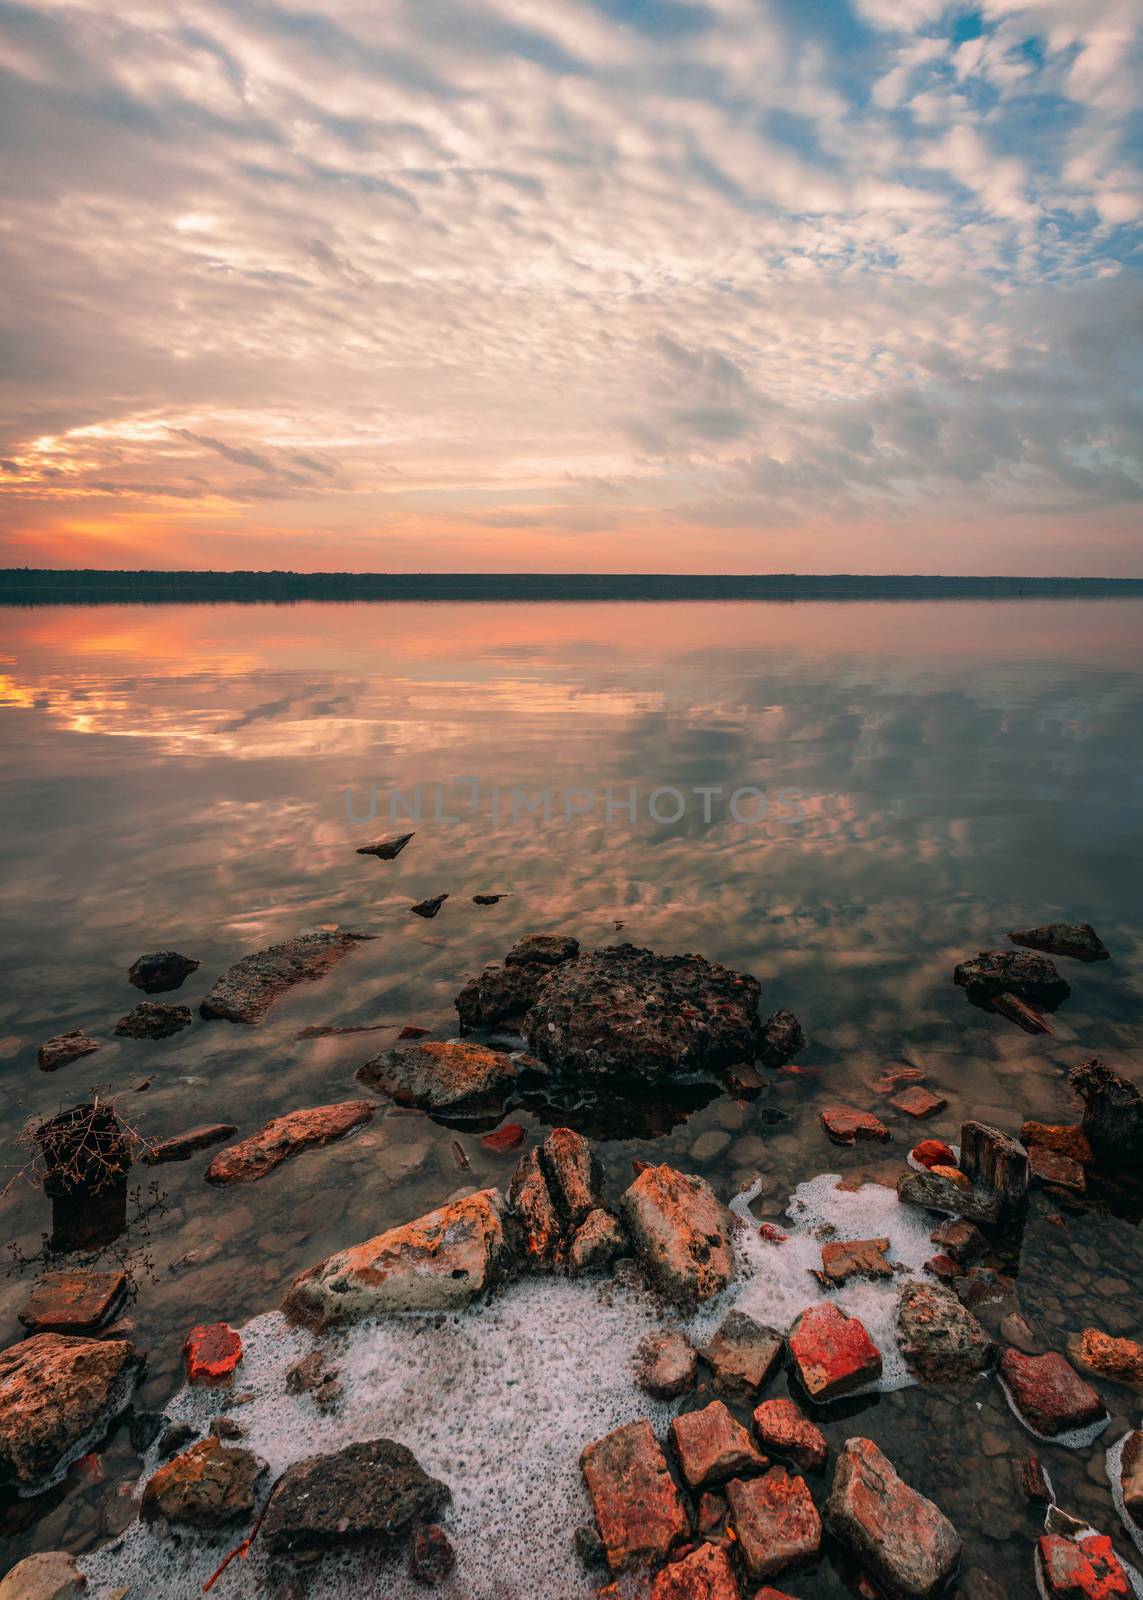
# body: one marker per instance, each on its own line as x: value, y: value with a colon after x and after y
x: 29, y: 586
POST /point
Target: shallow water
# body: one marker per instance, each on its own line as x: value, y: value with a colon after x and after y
x: 934, y: 774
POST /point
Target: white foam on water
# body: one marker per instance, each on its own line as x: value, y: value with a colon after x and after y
x: 1073, y: 1439
x: 1115, y: 1478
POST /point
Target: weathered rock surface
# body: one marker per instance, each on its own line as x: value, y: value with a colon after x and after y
x: 1032, y: 1481
x: 284, y: 1137
x: 1087, y: 1569
x: 151, y: 1019
x: 843, y: 1259
x: 598, y: 1241
x: 638, y: 1508
x: 941, y: 1340
x: 185, y: 1145
x: 65, y: 1048
x: 211, y: 1352
x: 1121, y: 1360
x: 160, y: 971
x: 1050, y: 1168
x: 626, y: 1013
x: 785, y: 1432
x: 573, y: 1174
x: 500, y: 994
x: 1132, y: 1463
x: 57, y: 1395
x: 705, y: 1574
x: 440, y: 1262
x: 375, y: 1492
x: 742, y: 1356
x: 387, y: 848
x: 247, y: 990
x: 935, y: 1192
x: 1078, y: 940
x: 995, y: 1162
x: 775, y: 1521
x: 1029, y: 977
x: 74, y: 1302
x: 452, y: 1076
x: 50, y: 1575
x: 666, y: 1365
x: 546, y: 949
x: 431, y: 1557
x: 712, y: 1445
x: 846, y: 1125
x: 1067, y: 1139
x: 537, y: 1231
x: 782, y: 1039
x: 832, y: 1352
x: 210, y: 1485
x: 905, y: 1541
x: 681, y: 1234
x: 1049, y: 1395
x: 555, y: 1202
x: 1113, y: 1114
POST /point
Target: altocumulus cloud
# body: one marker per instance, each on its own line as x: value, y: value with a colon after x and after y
x: 464, y: 283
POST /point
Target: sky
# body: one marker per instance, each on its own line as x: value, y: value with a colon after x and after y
x: 572, y: 285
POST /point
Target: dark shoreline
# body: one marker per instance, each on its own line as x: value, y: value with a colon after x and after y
x: 31, y: 587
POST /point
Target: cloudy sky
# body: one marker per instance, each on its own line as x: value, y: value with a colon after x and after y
x: 678, y: 285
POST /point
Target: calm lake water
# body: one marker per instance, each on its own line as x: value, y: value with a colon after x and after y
x: 888, y: 788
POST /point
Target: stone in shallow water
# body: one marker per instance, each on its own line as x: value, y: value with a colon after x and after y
x: 453, y: 1076
x: 1121, y: 1360
x: 933, y: 1153
x: 1048, y: 1393
x: 902, y: 1539
x: 854, y: 1258
x: 151, y: 1019
x: 1061, y: 1172
x: 775, y: 1521
x: 832, y: 1352
x: 846, y: 1125
x: 712, y: 1446
x: 375, y: 1492
x: 1032, y: 1481
x: 1078, y: 940
x: 544, y: 949
x: 784, y: 1431
x: 537, y: 1230
x: 935, y: 1192
x: 286, y: 1137
x: 1029, y: 977
x: 160, y: 971
x: 681, y: 1233
x: 429, y: 908
x: 50, y: 1575
x: 782, y: 1039
x: 666, y: 1365
x: 941, y: 1340
x: 742, y: 1356
x: 208, y: 1486
x: 247, y: 990
x: 56, y: 1395
x: 185, y: 1145
x: 65, y: 1048
x: 1085, y: 1569
x: 919, y: 1102
x: 964, y: 1242
x: 638, y: 1508
x: 572, y: 1173
x: 386, y: 849
x: 705, y: 1574
x: 74, y: 1302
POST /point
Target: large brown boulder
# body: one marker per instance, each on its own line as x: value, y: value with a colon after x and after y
x: 57, y: 1396
x: 681, y: 1234
x: 500, y: 994
x: 370, y: 1493
x: 247, y: 990
x: 1028, y: 976
x: 905, y: 1541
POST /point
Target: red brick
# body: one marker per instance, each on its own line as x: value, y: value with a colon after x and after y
x: 783, y: 1430
x: 832, y: 1352
x: 712, y: 1446
x: 638, y: 1508
x: 706, y: 1574
x: 1049, y: 1393
x: 775, y: 1522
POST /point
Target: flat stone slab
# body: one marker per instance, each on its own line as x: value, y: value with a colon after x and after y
x: 1078, y: 940
x: 666, y: 1365
x: 247, y: 990
x: 444, y: 1075
x: 440, y: 1262
x: 74, y: 1302
x: 918, y: 1102
x: 742, y: 1356
x: 784, y: 1431
x: 843, y: 1259
x: 1049, y: 1394
x: 285, y: 1137
x: 706, y: 1574
x: 832, y: 1352
x: 375, y: 1493
x: 681, y: 1233
x: 775, y: 1522
x: 712, y: 1445
x: 902, y: 1539
x: 941, y: 1340
x: 935, y: 1191
x: 184, y: 1145
x: 210, y: 1485
x: 1121, y: 1360
x: 57, y: 1395
x: 846, y: 1125
x: 1087, y: 1569
x: 1059, y: 1171
x: 65, y: 1048
x: 638, y: 1508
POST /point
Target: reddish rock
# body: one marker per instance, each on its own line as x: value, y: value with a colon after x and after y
x: 249, y: 988
x: 712, y: 1446
x: 208, y: 1486
x: 572, y: 1173
x: 1065, y: 1139
x: 775, y: 1522
x: 638, y: 1508
x: 984, y: 1286
x: 510, y: 1137
x: 742, y: 1356
x: 770, y: 1234
x: 56, y: 1395
x: 74, y: 1302
x: 854, y: 1258
x: 953, y: 1175
x: 65, y: 1048
x: 1049, y: 1167
x: 412, y: 1030
x: 185, y: 1145
x: 785, y: 1432
x: 1031, y: 1480
x: 903, y: 1540
x: 666, y: 1365
x: 919, y: 1102
x: 743, y: 1080
x: 706, y: 1574
x: 943, y: 1268
x: 1073, y: 1569
x: 1049, y: 1395
x: 596, y: 1243
x: 962, y: 1240
x: 711, y: 1512
x: 934, y: 1153
x: 431, y: 1556
x: 538, y: 1229
x: 437, y: 1075
x: 211, y: 1352
x: 285, y: 1137
x: 832, y: 1352
x: 1121, y: 1360
x: 386, y: 849
x: 766, y: 1593
x: 845, y: 1125
x: 681, y: 1234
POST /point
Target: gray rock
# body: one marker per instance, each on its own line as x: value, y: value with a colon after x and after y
x: 375, y: 1493
x: 935, y: 1193
x: 247, y: 990
x: 941, y: 1340
x: 184, y: 1145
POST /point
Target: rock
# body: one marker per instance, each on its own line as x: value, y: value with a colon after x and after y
x: 374, y: 1492
x: 995, y: 1162
x: 709, y: 1146
x: 1020, y: 1012
x: 499, y: 994
x: 175, y: 1436
x: 832, y: 1352
x: 1048, y: 1394
x: 1132, y: 1466
x: 711, y: 1512
x: 1016, y: 1330
x: 161, y: 971
x: 65, y: 1048
x: 247, y: 990
x: 1078, y: 940
x: 284, y: 1137
x: 785, y: 1432
x: 1029, y: 977
x: 440, y: 1262
x: 933, y: 1153
x: 312, y: 1375
x: 845, y: 1125
x: 74, y: 1302
x: 226, y: 1428
x: 626, y: 1013
x: 429, y: 908
x: 743, y: 1080
x: 537, y: 1229
x: 705, y: 1574
x: 919, y: 1102
x: 959, y: 1180
x: 50, y: 1575
x: 510, y: 1137
x: 209, y: 1486
x: 1060, y: 1172
x: 153, y: 1020
x: 1068, y: 1140
x: 454, y: 1076
x: 185, y: 1145
x: 386, y: 849
x: 742, y: 1356
x: 775, y: 1522
x: 984, y: 1286
x: 681, y: 1234
x: 211, y: 1351
x: 666, y: 1365
x: 1088, y: 1569
x: 1031, y: 1480
x: 488, y: 899
x: 1113, y: 1114
x: 712, y: 1446
x: 941, y: 1341
x: 546, y: 949
x: 638, y: 1509
x: 1121, y: 1360
x: 431, y: 1558
x: 964, y: 1242
x: 57, y: 1397
x: 572, y: 1173
x: 782, y: 1039
x: 854, y: 1258
x: 905, y: 1541
x: 943, y: 1268
x: 596, y: 1243
x: 936, y: 1193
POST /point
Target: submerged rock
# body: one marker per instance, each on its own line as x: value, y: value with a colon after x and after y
x: 742, y: 1356
x: 247, y: 990
x: 49, y: 1575
x: 1113, y: 1114
x: 782, y: 1039
x: 941, y: 1340
x: 313, y: 1375
x: 846, y: 1125
x: 783, y: 1430
x: 74, y: 1302
x: 209, y: 1486
x: 666, y: 1365
x: 151, y: 1019
x: 681, y: 1234
x: 963, y: 1241
x: 627, y: 1013
x: 1121, y: 1360
x: 1078, y: 940
x: 704, y: 1574
x: 386, y: 849
x: 775, y: 1522
x: 375, y: 1492
x: 1029, y: 977
x: 918, y: 1102
x: 1048, y: 1394
x: 1080, y: 1569
x: 440, y: 1262
x: 712, y: 1445
x: 454, y: 1076
x: 185, y: 1145
x: 638, y: 1508
x: 901, y: 1538
x: 57, y: 1396
x: 160, y: 971
x: 65, y: 1048
x: 285, y: 1137
x: 832, y: 1352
